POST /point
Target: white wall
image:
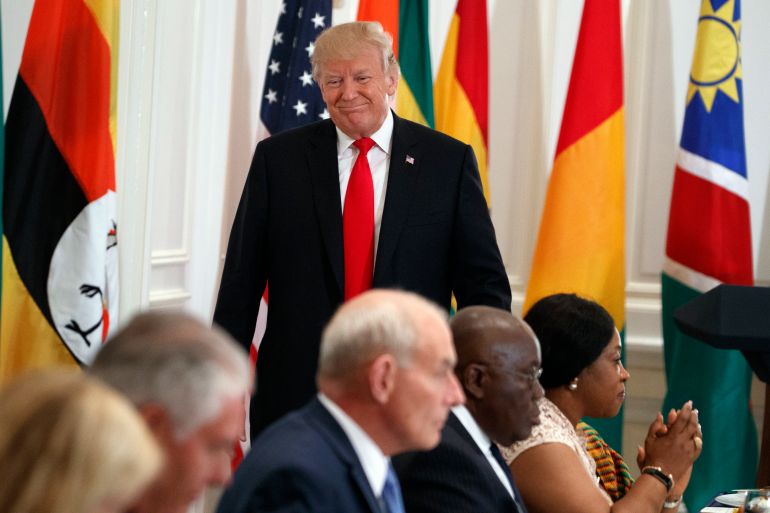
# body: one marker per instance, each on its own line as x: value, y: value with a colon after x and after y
x: 190, y: 85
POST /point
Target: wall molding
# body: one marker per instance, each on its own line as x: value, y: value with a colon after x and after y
x: 166, y: 298
x: 166, y: 257
x: 132, y: 160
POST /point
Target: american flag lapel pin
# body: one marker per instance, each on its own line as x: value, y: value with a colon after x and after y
x: 409, y: 159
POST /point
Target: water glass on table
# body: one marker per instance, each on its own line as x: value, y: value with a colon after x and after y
x: 757, y: 501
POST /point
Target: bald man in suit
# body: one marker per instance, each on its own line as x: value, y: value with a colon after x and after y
x: 498, y: 363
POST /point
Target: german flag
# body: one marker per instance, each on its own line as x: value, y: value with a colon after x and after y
x: 59, y: 281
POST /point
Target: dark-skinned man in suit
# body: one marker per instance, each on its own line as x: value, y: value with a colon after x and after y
x: 498, y: 366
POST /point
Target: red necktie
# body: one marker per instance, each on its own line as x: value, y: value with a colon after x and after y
x: 358, y: 224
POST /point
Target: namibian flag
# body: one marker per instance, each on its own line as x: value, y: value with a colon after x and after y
x: 60, y: 281
x: 709, y: 242
x: 580, y: 246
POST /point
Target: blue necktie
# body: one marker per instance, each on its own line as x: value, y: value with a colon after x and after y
x: 391, y: 493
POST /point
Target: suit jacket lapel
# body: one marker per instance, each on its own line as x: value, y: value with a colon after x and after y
x: 402, y: 175
x: 324, y: 175
x: 454, y: 423
x: 342, y: 446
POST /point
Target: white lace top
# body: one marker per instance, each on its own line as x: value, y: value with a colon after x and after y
x: 554, y: 427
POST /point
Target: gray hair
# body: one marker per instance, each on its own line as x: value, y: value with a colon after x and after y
x: 177, y: 362
x: 344, y: 41
x: 374, y: 323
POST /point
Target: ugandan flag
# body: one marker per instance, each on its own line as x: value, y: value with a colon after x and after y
x: 580, y: 246
x: 461, y: 91
x: 709, y: 243
x: 59, y: 269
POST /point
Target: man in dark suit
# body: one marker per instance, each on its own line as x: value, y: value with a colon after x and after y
x: 498, y: 366
x: 386, y: 384
x: 321, y: 220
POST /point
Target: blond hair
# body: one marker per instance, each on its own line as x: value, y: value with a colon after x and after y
x: 70, y: 444
x: 345, y: 41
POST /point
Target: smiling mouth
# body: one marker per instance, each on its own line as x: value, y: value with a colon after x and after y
x: 351, y: 107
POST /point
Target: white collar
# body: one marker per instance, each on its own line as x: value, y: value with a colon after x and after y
x: 472, y: 427
x: 382, y: 137
x: 374, y: 462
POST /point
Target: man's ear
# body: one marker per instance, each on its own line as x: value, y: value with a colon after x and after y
x: 382, y: 377
x: 157, y: 419
x: 474, y: 378
x: 392, y: 82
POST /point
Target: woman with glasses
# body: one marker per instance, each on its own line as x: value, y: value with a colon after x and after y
x: 583, y: 376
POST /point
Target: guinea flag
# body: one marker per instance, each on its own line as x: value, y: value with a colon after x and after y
x: 59, y: 269
x: 581, y: 243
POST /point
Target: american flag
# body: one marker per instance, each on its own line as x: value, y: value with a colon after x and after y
x: 291, y: 98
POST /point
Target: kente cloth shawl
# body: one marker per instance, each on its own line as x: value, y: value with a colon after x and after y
x: 612, y: 470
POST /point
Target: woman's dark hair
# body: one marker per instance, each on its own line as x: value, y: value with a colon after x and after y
x: 572, y: 331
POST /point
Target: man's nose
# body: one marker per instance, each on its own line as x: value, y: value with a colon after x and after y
x: 349, y: 89
x: 538, y: 392
x: 455, y: 392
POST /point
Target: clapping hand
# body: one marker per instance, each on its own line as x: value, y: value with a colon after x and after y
x: 674, y: 444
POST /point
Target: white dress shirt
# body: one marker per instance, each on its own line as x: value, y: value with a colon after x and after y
x: 379, y: 162
x: 375, y: 463
x: 483, y: 441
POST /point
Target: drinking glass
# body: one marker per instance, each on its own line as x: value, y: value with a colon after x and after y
x: 757, y: 501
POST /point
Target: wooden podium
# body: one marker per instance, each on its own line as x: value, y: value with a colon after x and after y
x: 736, y: 317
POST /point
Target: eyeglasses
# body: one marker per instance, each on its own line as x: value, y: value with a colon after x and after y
x: 532, y: 376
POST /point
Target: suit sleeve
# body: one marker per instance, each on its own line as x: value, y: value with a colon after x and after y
x: 290, y: 491
x: 478, y: 273
x: 245, y: 271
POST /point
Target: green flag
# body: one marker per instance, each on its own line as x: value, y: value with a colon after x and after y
x: 709, y: 242
x: 414, y: 99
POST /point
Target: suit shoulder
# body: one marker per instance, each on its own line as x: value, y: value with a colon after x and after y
x: 425, y: 133
x: 451, y: 451
x: 298, y: 135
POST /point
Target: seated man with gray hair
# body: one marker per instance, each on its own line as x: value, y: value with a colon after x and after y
x: 386, y: 384
x: 189, y: 383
